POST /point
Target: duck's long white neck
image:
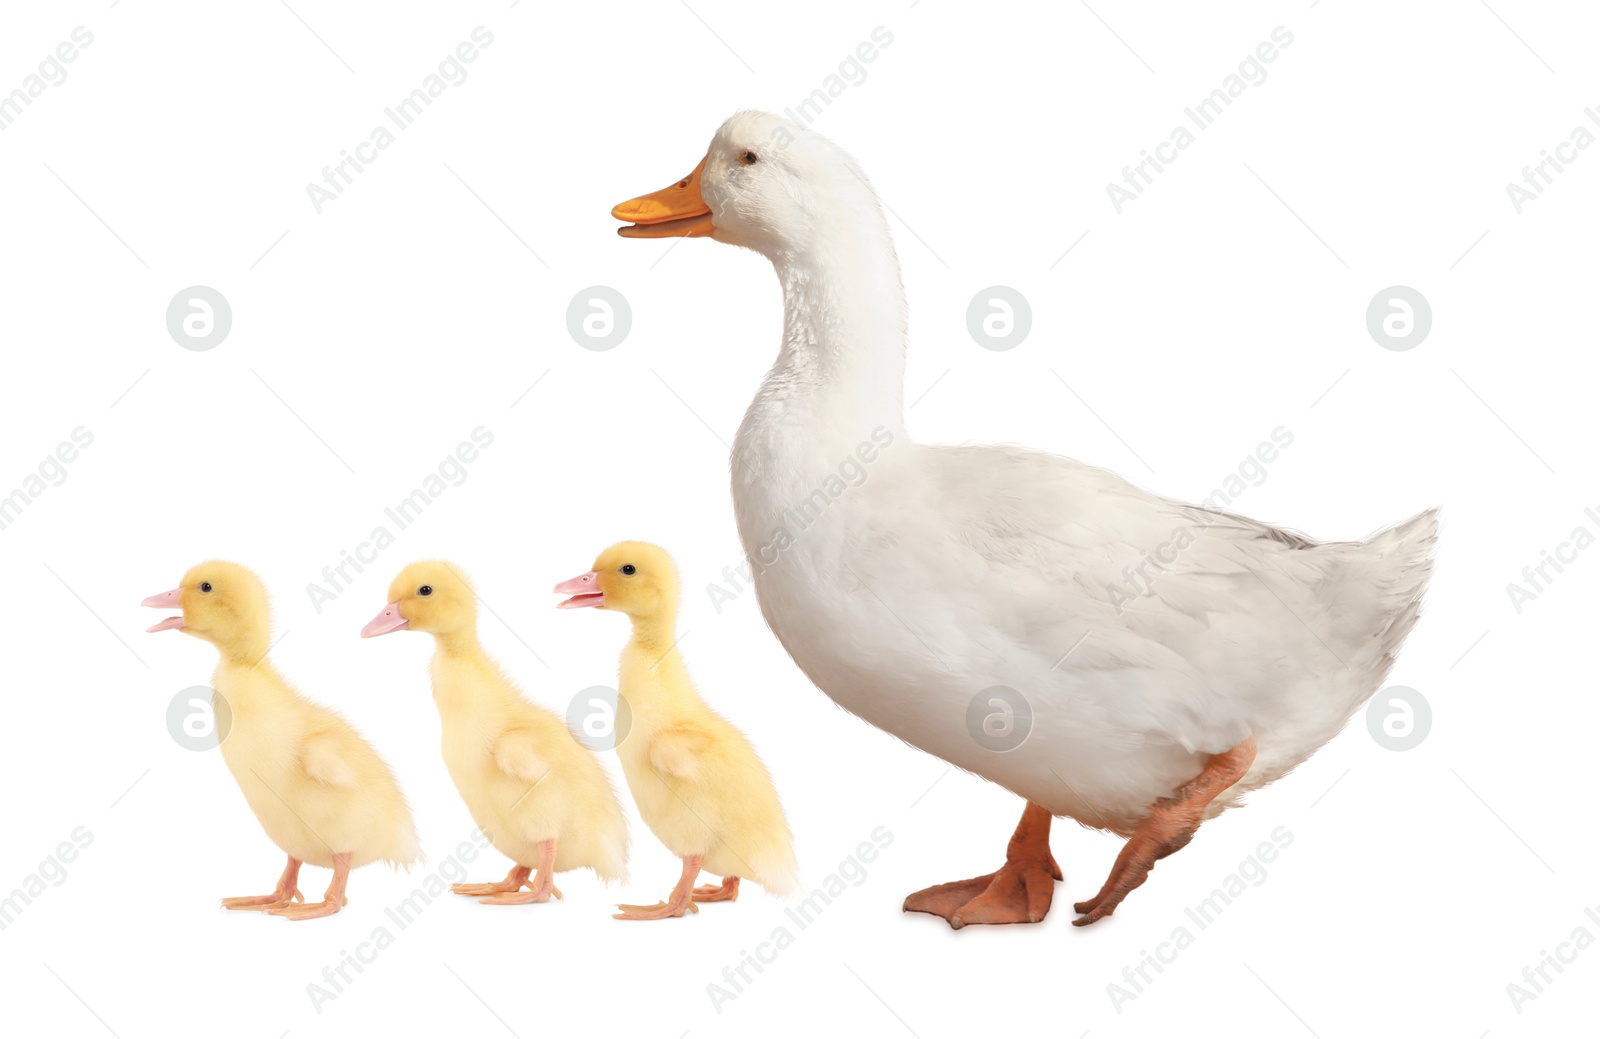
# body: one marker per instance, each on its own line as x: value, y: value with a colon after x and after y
x: 840, y: 373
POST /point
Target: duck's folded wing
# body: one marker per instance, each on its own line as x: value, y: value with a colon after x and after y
x: 1038, y: 520
x: 1108, y: 586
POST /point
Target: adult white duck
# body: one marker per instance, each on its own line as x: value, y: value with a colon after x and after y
x: 975, y: 601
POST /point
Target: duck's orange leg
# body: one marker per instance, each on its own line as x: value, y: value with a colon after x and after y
x: 513, y: 882
x: 1019, y: 892
x: 1169, y: 826
x: 288, y: 890
x: 679, y: 902
x: 539, y: 890
x: 332, y: 901
x: 727, y: 891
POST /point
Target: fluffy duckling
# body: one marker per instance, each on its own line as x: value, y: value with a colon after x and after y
x: 696, y: 779
x: 319, y: 790
x: 542, y: 799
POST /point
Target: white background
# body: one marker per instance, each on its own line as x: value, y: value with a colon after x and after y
x: 368, y: 340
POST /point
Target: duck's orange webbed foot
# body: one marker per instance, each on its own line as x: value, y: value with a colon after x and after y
x: 1169, y: 826
x: 286, y: 892
x: 1018, y: 893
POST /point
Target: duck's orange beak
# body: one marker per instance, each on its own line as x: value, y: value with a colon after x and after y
x: 675, y: 212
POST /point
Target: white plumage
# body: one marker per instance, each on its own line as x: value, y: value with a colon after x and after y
x: 950, y: 570
x: 953, y: 570
x: 947, y: 571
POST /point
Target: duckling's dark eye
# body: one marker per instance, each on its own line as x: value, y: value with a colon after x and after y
x: 628, y: 569
x: 205, y: 586
x: 749, y: 158
x: 426, y: 589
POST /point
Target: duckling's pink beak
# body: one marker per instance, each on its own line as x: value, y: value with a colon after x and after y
x: 584, y: 589
x: 166, y: 601
x: 385, y: 622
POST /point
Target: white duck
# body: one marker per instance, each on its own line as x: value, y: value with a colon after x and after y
x: 951, y: 571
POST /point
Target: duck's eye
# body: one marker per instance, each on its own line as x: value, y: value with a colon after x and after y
x: 205, y: 586
x: 749, y: 158
x: 628, y: 569
x: 426, y: 589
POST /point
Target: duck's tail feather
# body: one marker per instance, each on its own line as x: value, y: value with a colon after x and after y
x: 1405, y: 564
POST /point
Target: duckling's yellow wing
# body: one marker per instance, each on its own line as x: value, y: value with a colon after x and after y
x: 514, y: 753
x: 323, y: 759
x: 678, y: 752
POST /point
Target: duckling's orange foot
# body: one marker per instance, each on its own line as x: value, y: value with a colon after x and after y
x: 540, y: 888
x: 522, y: 898
x: 659, y: 911
x: 727, y: 891
x: 287, y: 891
x: 681, y: 900
x: 332, y: 901
x: 513, y: 882
x: 264, y: 903
x: 309, y: 911
x: 1020, y: 892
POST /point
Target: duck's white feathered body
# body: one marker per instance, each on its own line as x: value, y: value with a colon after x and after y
x: 950, y: 571
x: 943, y: 572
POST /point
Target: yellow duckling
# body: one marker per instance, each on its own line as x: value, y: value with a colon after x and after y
x: 540, y: 797
x: 319, y: 790
x: 696, y: 779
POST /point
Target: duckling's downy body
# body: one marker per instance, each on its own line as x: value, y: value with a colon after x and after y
x: 954, y: 583
x: 541, y: 798
x: 310, y: 779
x: 698, y: 783
x: 319, y: 790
